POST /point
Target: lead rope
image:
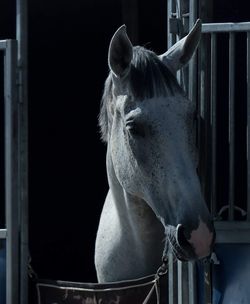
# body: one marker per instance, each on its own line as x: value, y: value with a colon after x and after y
x: 163, y: 269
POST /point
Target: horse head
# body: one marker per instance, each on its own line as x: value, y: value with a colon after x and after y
x: 148, y: 124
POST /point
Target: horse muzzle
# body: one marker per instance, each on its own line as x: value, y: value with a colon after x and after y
x: 195, y: 245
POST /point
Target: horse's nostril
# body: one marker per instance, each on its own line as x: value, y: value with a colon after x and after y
x: 180, y: 236
x: 183, y: 242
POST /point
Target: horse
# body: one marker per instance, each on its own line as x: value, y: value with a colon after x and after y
x: 154, y: 203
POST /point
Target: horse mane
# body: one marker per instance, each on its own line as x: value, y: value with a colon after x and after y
x: 148, y: 77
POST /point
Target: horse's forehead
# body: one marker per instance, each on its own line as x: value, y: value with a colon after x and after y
x: 153, y: 106
x: 162, y: 105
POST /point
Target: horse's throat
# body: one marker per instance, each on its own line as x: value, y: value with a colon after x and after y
x: 136, y: 219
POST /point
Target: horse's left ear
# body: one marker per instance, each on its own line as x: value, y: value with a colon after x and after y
x: 120, y: 52
x: 182, y: 51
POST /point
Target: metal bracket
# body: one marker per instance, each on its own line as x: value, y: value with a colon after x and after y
x: 176, y: 26
x: 179, y: 26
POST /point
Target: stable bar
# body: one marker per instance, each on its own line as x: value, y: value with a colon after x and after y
x: 248, y: 126
x: 192, y: 83
x: 11, y: 169
x: 225, y: 27
x: 185, y: 283
x: 231, y: 123
x: 179, y: 282
x: 171, y: 14
x: 171, y: 281
x: 192, y: 12
x: 213, y: 102
x: 22, y: 65
x: 192, y: 283
x: 192, y: 87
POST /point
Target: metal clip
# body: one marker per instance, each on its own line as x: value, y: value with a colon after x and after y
x: 163, y: 269
x: 214, y: 259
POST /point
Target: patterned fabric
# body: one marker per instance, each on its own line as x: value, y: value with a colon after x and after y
x: 127, y: 292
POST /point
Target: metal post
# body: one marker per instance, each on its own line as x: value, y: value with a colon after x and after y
x: 231, y: 122
x: 172, y: 269
x: 192, y: 291
x: 11, y: 165
x: 192, y: 12
x: 171, y: 14
x: 192, y: 82
x: 213, y: 122
x: 248, y: 126
x: 3, y: 232
x: 180, y: 282
x: 21, y: 36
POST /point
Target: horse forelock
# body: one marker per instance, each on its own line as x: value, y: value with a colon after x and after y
x: 148, y: 77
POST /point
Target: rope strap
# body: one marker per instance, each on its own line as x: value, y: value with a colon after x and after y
x: 156, y: 286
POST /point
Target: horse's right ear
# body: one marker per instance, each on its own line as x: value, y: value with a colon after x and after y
x: 120, y: 52
x: 182, y: 51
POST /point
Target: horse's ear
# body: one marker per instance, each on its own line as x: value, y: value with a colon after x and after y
x: 120, y: 52
x: 182, y: 51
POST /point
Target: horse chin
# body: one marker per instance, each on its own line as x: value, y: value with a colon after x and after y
x: 178, y: 245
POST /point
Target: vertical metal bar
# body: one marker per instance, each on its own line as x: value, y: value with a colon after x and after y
x: 170, y: 279
x: 21, y: 36
x: 213, y: 122
x: 174, y: 37
x: 192, y: 86
x: 192, y: 83
x: 185, y: 283
x: 193, y: 62
x: 192, y: 12
x: 178, y: 9
x: 248, y: 126
x: 11, y: 165
x: 183, y: 14
x: 179, y: 282
x: 169, y: 9
x: 204, y: 127
x: 201, y: 106
x: 171, y: 12
x: 231, y: 122
x: 192, y: 283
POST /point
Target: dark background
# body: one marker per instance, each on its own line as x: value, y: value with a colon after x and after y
x: 68, y: 43
x: 67, y: 56
x: 67, y: 68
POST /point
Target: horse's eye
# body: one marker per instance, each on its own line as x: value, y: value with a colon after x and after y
x: 135, y: 128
